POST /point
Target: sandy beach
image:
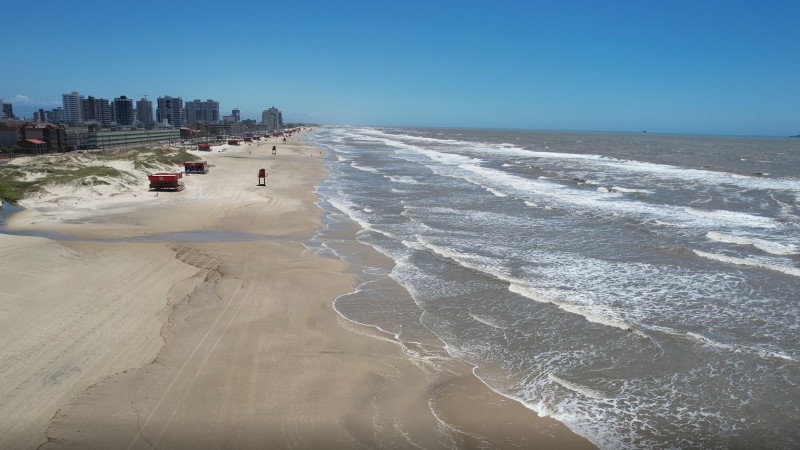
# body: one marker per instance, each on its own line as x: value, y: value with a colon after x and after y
x: 199, y: 319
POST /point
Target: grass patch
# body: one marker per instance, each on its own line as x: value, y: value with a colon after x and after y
x: 13, y: 190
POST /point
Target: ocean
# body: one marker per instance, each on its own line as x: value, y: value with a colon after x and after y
x: 643, y: 289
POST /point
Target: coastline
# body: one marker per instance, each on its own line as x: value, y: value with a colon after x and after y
x: 220, y: 344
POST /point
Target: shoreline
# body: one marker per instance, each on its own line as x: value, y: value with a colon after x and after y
x: 245, y: 347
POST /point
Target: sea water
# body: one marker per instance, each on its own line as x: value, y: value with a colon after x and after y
x: 643, y: 289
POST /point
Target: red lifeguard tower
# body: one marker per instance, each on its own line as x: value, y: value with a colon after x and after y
x: 262, y: 177
x: 195, y: 167
x: 166, y: 181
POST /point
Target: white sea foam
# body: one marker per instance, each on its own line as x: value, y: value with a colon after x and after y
x: 365, y: 169
x: 575, y: 387
x: 631, y: 191
x: 486, y: 320
x: 494, y: 191
x: 776, y: 248
x: 402, y: 179
x: 663, y: 171
x: 783, y: 266
x: 587, y: 312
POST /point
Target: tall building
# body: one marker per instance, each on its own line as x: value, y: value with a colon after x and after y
x: 272, y: 118
x: 73, y: 108
x: 197, y: 111
x: 92, y: 110
x: 104, y: 108
x: 123, y: 111
x: 144, y: 112
x: 235, y: 115
x: 7, y: 110
x: 171, y: 110
x: 56, y: 115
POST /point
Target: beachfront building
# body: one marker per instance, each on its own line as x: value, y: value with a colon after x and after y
x: 73, y: 108
x: 198, y: 111
x: 123, y: 111
x: 42, y: 138
x: 97, y: 111
x: 170, y: 109
x: 144, y: 112
x: 272, y: 118
x: 132, y: 138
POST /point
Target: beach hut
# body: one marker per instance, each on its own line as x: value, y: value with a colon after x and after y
x: 195, y: 167
x: 248, y: 139
x: 233, y: 141
x: 166, y: 181
x: 204, y: 147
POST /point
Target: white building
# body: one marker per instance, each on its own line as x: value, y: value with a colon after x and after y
x: 73, y: 107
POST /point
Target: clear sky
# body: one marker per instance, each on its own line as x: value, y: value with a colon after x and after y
x: 700, y: 66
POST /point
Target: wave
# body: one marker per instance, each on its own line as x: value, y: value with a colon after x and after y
x: 763, y: 263
x: 775, y: 248
x: 580, y: 389
x: 539, y: 191
x: 589, y: 313
x: 486, y: 320
x: 664, y: 171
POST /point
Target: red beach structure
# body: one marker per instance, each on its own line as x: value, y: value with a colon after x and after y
x: 195, y: 167
x: 166, y: 181
x: 262, y: 175
x: 204, y: 147
x: 233, y: 141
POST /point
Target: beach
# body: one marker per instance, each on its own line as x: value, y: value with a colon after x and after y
x: 202, y: 319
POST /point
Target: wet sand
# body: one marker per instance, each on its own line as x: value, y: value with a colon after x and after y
x: 217, y: 343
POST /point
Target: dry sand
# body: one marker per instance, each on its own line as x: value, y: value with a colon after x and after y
x: 216, y: 330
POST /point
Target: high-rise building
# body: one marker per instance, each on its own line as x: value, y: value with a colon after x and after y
x: 104, y: 112
x: 144, y: 112
x: 197, y: 111
x: 56, y: 115
x: 73, y: 108
x: 171, y: 110
x: 91, y: 110
x: 272, y: 118
x: 7, y: 110
x: 235, y: 115
x: 123, y: 111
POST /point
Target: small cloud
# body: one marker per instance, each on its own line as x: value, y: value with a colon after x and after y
x: 24, y: 100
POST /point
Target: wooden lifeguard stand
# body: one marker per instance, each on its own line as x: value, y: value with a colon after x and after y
x: 262, y: 177
x: 274, y: 150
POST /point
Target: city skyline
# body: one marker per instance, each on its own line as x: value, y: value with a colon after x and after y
x: 714, y: 67
x: 79, y: 109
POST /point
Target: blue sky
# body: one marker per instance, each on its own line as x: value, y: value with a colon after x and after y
x: 717, y: 67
